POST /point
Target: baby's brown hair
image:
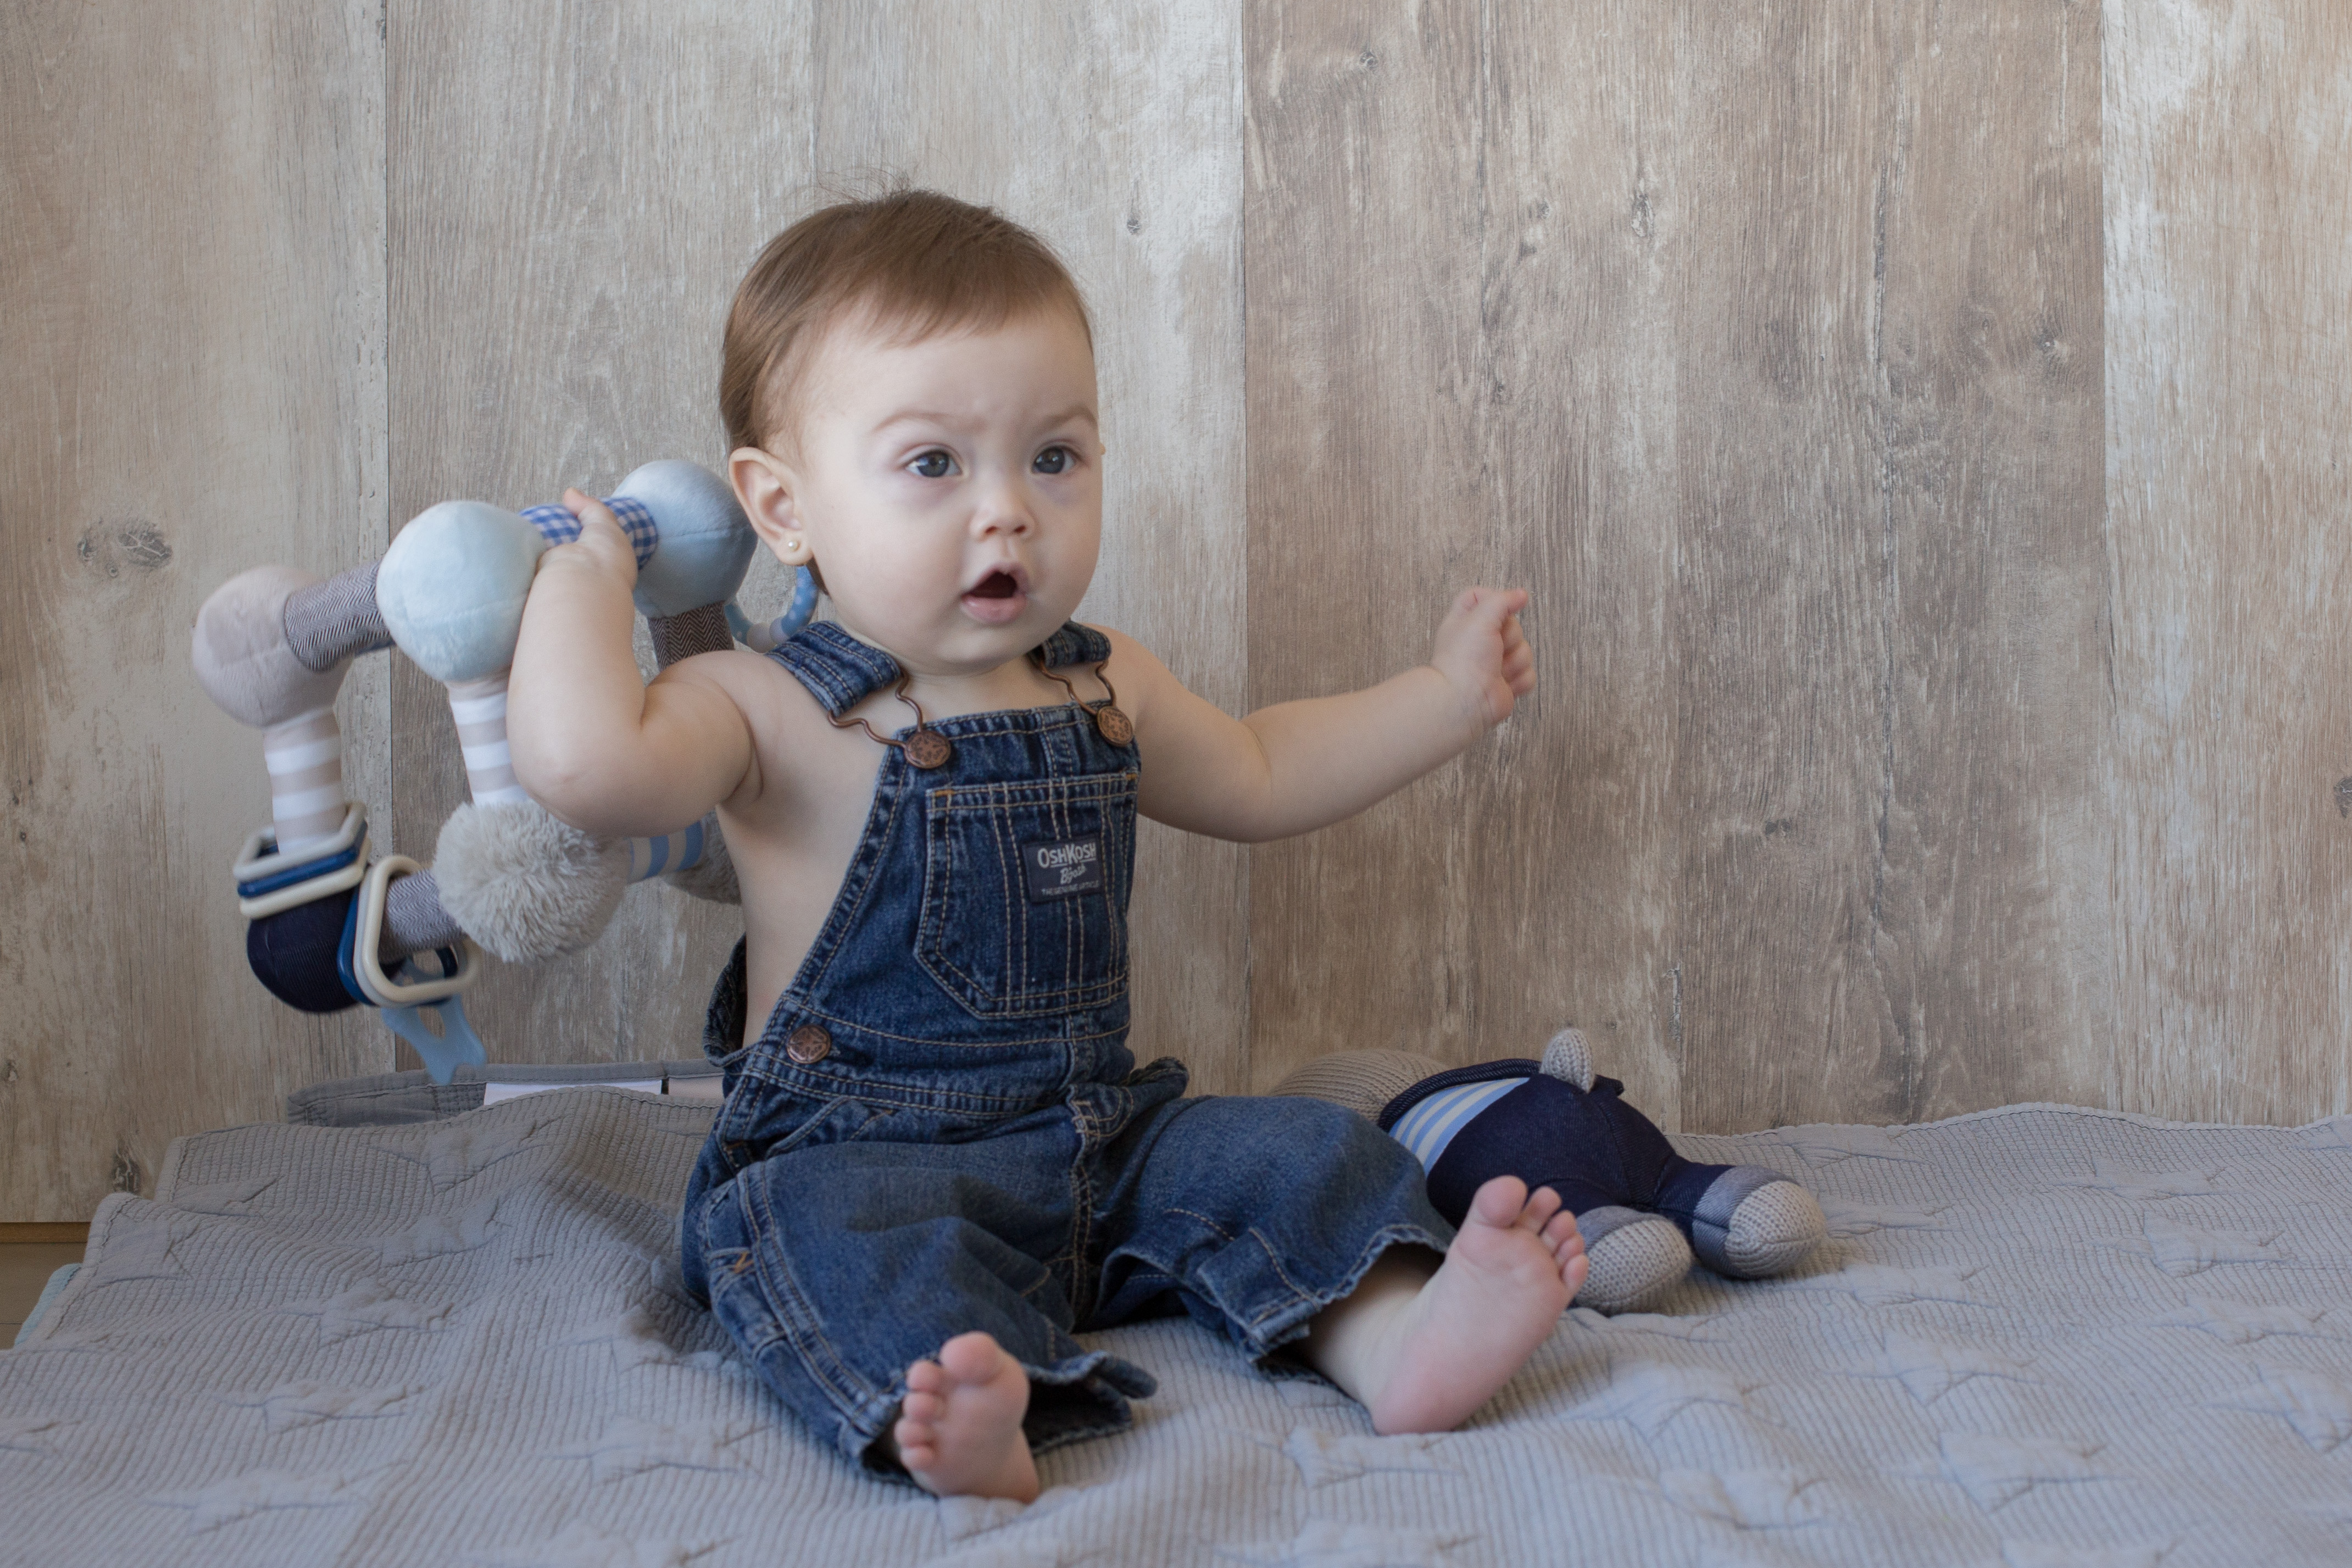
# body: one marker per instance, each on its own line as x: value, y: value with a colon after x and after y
x: 918, y: 262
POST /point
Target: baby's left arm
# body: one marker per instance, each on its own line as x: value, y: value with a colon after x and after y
x: 1297, y: 766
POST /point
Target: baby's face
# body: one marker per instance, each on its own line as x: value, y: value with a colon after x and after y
x: 950, y: 489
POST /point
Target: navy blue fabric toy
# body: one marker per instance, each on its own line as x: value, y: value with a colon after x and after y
x: 1644, y: 1209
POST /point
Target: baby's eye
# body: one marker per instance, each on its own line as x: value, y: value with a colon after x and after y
x: 934, y: 465
x: 1055, y: 460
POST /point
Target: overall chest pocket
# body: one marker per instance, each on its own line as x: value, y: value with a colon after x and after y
x: 1024, y: 893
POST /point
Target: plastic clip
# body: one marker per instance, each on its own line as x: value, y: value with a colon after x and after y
x: 270, y: 881
x: 363, y: 973
x: 260, y: 859
x: 457, y: 1046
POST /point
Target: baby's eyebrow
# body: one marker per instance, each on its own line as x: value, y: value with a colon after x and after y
x: 932, y: 417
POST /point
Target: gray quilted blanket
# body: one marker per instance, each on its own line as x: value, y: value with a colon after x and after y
x: 2040, y: 1336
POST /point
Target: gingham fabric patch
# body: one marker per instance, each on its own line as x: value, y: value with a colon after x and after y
x: 558, y: 526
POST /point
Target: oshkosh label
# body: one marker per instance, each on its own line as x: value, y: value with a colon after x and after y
x: 1065, y: 869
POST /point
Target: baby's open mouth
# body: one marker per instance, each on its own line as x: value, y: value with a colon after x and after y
x: 996, y: 585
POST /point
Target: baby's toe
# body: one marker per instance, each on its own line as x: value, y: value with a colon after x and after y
x: 1499, y: 1202
x: 1573, y: 1272
x: 970, y: 1358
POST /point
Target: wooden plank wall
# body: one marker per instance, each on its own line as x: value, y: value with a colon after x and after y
x: 2228, y: 459
x: 1921, y: 428
x: 192, y: 382
x: 1771, y: 367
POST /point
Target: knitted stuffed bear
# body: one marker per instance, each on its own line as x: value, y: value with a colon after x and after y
x: 1643, y: 1208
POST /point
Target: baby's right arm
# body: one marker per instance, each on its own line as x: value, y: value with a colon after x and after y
x: 591, y: 740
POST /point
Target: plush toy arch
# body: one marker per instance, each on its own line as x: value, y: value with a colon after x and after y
x: 333, y: 928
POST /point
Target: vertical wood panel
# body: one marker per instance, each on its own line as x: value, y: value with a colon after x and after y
x: 191, y: 354
x: 570, y: 207
x: 1784, y: 827
x: 1992, y: 939
x: 1114, y: 132
x: 1777, y: 617
x: 2229, y: 369
x: 1361, y: 265
x: 1893, y: 683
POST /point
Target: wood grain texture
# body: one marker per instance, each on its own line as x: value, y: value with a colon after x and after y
x: 1741, y: 341
x: 191, y: 357
x: 1114, y: 132
x: 2228, y: 151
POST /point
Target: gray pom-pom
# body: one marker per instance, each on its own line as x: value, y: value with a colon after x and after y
x: 712, y: 877
x: 525, y: 885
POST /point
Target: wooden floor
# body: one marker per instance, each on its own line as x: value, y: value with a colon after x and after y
x: 25, y: 1268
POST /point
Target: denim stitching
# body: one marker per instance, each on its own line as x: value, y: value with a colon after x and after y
x: 797, y: 1317
x: 1010, y: 999
x: 1298, y: 1291
x: 1223, y: 1233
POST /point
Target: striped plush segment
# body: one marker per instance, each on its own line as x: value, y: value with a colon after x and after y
x: 1430, y: 1126
x: 480, y: 709
x: 659, y: 856
x: 305, y: 756
x: 558, y: 526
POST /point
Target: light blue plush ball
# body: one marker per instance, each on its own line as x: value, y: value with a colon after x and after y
x: 706, y: 541
x: 452, y: 587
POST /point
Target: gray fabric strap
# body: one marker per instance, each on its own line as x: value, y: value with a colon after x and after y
x: 413, y: 920
x: 689, y: 632
x: 329, y: 622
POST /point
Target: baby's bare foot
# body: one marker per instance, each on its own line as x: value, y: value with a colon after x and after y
x: 958, y: 1431
x: 1513, y: 1268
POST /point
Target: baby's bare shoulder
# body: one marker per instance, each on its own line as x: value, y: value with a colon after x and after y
x: 1143, y: 682
x: 787, y: 727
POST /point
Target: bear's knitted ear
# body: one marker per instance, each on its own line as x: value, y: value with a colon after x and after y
x: 1568, y: 1058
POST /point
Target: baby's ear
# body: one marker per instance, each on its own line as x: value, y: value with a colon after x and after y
x: 765, y: 486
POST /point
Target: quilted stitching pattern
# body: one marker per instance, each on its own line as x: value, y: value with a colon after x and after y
x: 2038, y: 1338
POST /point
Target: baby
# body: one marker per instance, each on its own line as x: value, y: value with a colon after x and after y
x: 937, y: 1159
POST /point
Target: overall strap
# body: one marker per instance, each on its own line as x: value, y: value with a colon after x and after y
x: 841, y: 672
x: 1073, y: 643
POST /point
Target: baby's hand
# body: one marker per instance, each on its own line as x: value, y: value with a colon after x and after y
x: 601, y: 541
x: 1482, y: 652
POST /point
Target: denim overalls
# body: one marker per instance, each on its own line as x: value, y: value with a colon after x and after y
x: 940, y: 1128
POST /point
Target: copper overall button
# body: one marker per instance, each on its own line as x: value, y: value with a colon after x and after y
x: 928, y: 748
x: 808, y: 1044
